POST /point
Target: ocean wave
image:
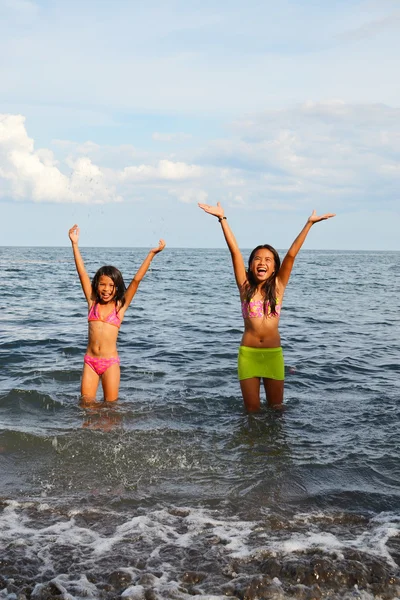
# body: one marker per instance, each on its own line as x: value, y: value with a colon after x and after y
x: 181, y: 552
x: 20, y: 400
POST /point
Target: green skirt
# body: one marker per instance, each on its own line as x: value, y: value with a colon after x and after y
x: 261, y: 362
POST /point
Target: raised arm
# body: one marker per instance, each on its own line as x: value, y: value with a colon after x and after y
x: 134, y: 284
x: 80, y: 266
x: 288, y: 261
x: 237, y: 258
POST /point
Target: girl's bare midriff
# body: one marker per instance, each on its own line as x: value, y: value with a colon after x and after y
x: 261, y: 332
x: 102, y: 340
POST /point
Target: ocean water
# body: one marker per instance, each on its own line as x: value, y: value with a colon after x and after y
x: 176, y: 492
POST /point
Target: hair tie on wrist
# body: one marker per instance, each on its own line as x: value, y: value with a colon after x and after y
x: 220, y: 219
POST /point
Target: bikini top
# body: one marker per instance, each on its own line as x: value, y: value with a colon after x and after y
x: 113, y: 318
x: 255, y: 309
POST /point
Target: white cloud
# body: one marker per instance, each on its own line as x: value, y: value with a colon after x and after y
x: 171, y: 137
x: 105, y: 155
x: 338, y: 153
x: 189, y: 195
x: 26, y: 173
x: 333, y: 148
x: 165, y: 170
x: 36, y: 175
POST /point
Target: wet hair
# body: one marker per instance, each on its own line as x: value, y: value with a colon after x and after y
x: 119, y: 284
x: 268, y: 288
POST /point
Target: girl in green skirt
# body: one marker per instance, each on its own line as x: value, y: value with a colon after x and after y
x: 261, y: 289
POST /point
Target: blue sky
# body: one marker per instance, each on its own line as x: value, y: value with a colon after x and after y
x: 120, y: 116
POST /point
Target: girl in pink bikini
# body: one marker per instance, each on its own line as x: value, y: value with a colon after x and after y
x: 107, y: 299
x: 261, y: 289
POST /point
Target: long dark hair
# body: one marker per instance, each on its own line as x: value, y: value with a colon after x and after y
x: 119, y: 284
x: 268, y: 288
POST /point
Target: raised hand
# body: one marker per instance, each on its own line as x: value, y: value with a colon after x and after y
x: 216, y: 211
x: 314, y: 218
x: 160, y: 248
x: 74, y: 234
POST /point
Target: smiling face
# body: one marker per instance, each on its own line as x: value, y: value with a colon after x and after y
x: 106, y: 289
x: 108, y: 285
x: 262, y: 265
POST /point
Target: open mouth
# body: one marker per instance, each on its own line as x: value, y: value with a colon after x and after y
x: 261, y: 270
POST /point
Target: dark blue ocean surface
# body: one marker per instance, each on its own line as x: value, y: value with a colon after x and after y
x: 175, y: 492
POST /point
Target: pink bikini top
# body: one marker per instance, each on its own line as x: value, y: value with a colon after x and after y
x: 255, y: 309
x: 113, y: 318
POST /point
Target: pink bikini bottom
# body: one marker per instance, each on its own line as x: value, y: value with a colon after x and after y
x: 100, y: 365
